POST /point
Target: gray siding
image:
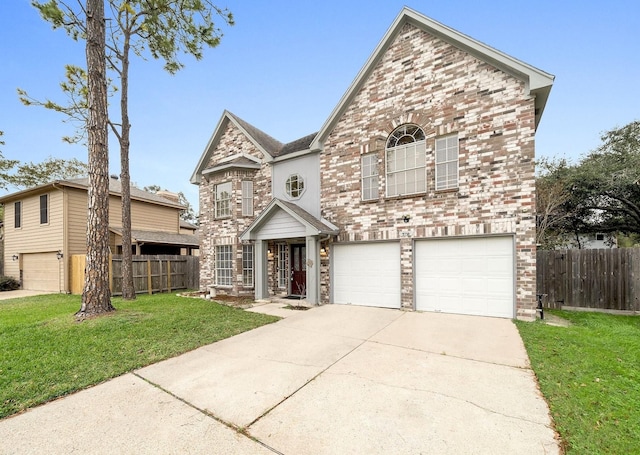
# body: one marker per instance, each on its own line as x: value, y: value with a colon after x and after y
x: 308, y: 167
x: 281, y: 226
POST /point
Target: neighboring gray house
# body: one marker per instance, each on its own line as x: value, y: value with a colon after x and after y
x: 418, y: 192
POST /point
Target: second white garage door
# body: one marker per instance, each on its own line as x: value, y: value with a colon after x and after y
x: 41, y: 272
x: 366, y: 274
x: 465, y: 276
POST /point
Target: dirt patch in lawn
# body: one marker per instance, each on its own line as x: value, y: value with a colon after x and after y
x: 228, y: 300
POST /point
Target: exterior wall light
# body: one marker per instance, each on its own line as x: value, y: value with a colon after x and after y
x: 59, y: 255
x: 15, y: 257
x: 323, y: 252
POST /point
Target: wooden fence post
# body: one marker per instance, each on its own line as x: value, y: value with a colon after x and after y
x: 149, y: 281
x: 168, y: 276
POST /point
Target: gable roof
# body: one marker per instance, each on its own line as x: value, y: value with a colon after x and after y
x: 115, y: 188
x: 537, y: 81
x: 313, y: 225
x: 271, y: 148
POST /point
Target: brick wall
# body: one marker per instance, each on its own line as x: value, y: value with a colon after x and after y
x: 424, y: 81
x: 226, y: 231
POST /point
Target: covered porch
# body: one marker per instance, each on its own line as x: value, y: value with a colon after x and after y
x: 288, y: 247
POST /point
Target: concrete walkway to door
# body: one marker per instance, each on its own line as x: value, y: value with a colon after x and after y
x: 331, y: 380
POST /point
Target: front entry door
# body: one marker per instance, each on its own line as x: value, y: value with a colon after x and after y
x: 299, y: 270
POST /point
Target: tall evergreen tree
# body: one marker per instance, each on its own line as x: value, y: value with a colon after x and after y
x: 96, y: 295
x: 163, y: 28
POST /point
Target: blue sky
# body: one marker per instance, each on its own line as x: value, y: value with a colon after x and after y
x: 285, y: 64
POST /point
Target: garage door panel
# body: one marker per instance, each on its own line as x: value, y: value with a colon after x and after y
x: 41, y: 272
x: 367, y: 274
x: 466, y: 276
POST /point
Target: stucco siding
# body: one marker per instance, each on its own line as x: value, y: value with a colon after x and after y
x: 307, y: 167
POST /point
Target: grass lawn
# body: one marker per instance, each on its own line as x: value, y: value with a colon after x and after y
x: 590, y: 375
x: 45, y: 354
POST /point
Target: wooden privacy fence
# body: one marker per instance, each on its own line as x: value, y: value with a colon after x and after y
x: 151, y: 274
x: 604, y: 279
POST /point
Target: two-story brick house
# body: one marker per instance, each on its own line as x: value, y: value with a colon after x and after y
x: 418, y: 192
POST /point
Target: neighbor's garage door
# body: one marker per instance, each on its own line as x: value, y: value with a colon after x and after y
x: 367, y: 274
x: 41, y: 272
x: 466, y: 276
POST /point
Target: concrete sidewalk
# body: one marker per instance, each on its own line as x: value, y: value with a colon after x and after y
x: 331, y: 380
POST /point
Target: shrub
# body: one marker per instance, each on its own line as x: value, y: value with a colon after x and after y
x: 8, y: 283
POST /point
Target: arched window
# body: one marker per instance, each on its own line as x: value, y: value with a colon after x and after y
x: 406, y: 161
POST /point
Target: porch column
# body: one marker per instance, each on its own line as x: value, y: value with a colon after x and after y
x: 261, y: 278
x: 313, y: 269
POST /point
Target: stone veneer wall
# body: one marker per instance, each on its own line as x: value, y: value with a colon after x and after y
x: 226, y: 231
x: 425, y: 81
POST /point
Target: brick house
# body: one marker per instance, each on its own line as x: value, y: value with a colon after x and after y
x: 418, y: 192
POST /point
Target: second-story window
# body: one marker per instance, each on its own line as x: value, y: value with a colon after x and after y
x: 17, y: 218
x: 294, y: 186
x: 369, y: 177
x: 247, y: 198
x: 447, y: 162
x: 406, y: 161
x: 44, y: 209
x: 223, y: 200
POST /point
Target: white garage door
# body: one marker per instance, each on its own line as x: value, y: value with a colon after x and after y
x: 466, y: 276
x: 367, y: 274
x: 41, y: 272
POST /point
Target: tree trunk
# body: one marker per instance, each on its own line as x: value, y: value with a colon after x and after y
x: 128, y: 290
x: 96, y: 295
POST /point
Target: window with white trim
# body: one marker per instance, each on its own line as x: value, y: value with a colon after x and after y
x: 447, y: 162
x: 224, y: 265
x: 222, y: 195
x: 247, y: 198
x: 294, y: 186
x: 405, y: 152
x: 247, y: 265
x: 369, y: 177
x: 283, y: 270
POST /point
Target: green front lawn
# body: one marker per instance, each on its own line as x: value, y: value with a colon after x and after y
x: 45, y: 354
x: 590, y: 375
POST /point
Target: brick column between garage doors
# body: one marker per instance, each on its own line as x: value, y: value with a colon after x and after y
x: 406, y: 273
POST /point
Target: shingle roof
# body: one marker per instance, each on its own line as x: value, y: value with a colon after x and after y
x: 270, y: 147
x: 313, y: 225
x: 320, y: 225
x: 273, y: 146
x: 115, y: 186
x: 186, y: 225
x: 164, y: 238
x: 299, y: 144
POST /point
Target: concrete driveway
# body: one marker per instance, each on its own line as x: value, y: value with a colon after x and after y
x: 332, y: 380
x: 6, y: 295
